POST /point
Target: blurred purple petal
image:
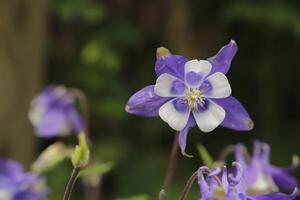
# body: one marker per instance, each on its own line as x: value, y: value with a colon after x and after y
x: 283, y: 180
x: 53, y: 112
x: 145, y: 102
x: 75, y: 120
x: 222, y: 60
x: 53, y: 123
x: 171, y: 64
x: 16, y: 184
x: 236, y: 117
x: 274, y: 196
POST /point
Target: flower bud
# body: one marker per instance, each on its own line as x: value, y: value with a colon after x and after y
x: 81, y: 154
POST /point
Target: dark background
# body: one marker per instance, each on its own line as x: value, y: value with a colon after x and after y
x: 107, y: 49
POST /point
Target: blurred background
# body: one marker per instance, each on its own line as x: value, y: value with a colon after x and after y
x: 107, y: 49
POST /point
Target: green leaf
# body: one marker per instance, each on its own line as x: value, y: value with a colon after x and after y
x: 96, y: 169
x: 205, y: 156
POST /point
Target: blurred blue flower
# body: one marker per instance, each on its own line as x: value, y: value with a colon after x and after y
x: 53, y: 113
x: 189, y: 93
x: 223, y: 184
x: 15, y: 184
x: 260, y: 174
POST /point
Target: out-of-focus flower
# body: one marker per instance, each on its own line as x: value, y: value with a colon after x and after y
x: 260, y: 174
x: 15, y: 184
x: 53, y: 113
x: 223, y: 184
x: 189, y: 93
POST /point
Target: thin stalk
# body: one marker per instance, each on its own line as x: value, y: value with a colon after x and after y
x: 71, y: 183
x: 172, y: 164
x: 83, y: 103
x: 188, y: 186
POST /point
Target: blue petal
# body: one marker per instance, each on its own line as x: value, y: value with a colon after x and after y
x: 145, y: 102
x: 171, y: 64
x: 274, y: 196
x: 221, y: 62
x: 236, y: 117
x: 283, y: 180
x: 183, y: 134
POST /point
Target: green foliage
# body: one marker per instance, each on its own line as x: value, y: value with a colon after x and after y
x: 69, y: 10
x: 96, y: 169
x: 277, y: 16
x: 136, y: 197
x: 205, y: 156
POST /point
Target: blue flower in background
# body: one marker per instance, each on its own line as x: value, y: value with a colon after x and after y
x: 53, y: 113
x: 260, y: 174
x: 15, y: 184
x: 190, y: 93
x: 223, y: 184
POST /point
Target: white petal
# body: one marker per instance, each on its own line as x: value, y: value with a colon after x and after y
x: 176, y: 119
x: 163, y: 85
x: 201, y: 67
x: 220, y: 86
x: 209, y: 119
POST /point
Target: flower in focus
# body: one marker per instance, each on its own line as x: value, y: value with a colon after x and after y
x: 15, y: 184
x: 190, y: 93
x: 260, y: 174
x: 223, y: 184
x: 53, y: 113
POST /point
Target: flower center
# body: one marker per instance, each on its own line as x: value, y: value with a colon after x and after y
x: 194, y: 98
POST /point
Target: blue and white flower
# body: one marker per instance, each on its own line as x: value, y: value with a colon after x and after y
x: 190, y: 93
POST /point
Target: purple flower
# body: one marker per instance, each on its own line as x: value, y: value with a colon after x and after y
x: 261, y: 175
x: 15, y: 184
x: 53, y: 113
x: 230, y: 185
x: 190, y: 93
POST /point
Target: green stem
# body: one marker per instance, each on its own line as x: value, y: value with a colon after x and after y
x: 71, y: 183
x: 83, y: 103
x: 172, y: 164
x: 188, y: 186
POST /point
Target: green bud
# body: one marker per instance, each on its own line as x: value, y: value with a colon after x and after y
x: 162, y: 195
x: 81, y: 154
x: 50, y: 157
x: 162, y: 52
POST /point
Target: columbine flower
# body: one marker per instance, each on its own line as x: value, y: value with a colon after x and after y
x: 189, y: 93
x: 223, y: 184
x: 53, y: 113
x: 15, y: 184
x: 261, y: 175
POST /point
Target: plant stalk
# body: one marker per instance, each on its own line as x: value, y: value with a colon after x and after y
x: 71, y: 183
x: 188, y: 186
x: 172, y: 164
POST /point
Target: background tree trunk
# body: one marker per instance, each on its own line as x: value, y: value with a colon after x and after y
x: 22, y: 39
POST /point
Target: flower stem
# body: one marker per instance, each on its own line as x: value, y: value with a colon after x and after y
x: 172, y: 164
x: 83, y: 103
x: 71, y: 183
x: 188, y: 186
